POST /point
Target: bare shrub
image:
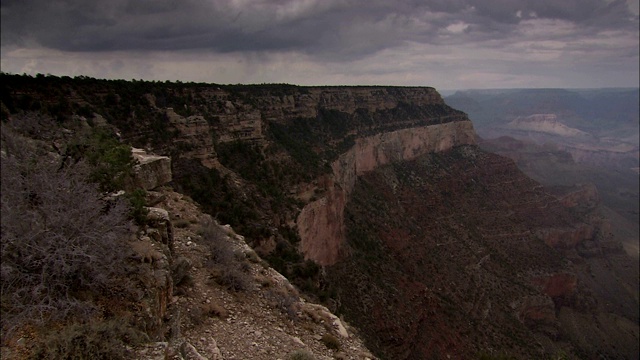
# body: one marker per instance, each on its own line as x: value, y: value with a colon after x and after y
x: 95, y: 340
x: 234, y: 278
x: 281, y: 299
x: 221, y: 251
x: 228, y: 268
x: 180, y: 272
x: 214, y: 309
x: 181, y: 224
x: 330, y: 341
x: 196, y: 315
x: 35, y: 125
x: 58, y: 239
x: 301, y: 355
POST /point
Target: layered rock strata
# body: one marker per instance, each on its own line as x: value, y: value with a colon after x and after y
x: 320, y: 222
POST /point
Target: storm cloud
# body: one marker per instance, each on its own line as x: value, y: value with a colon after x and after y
x: 502, y: 43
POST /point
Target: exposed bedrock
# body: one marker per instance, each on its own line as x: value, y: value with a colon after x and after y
x: 320, y: 223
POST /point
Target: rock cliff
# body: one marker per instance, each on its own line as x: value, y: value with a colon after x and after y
x: 455, y: 252
x: 320, y: 222
x: 150, y: 170
x: 545, y: 123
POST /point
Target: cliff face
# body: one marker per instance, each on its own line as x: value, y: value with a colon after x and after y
x: 320, y: 223
x: 545, y: 123
x: 456, y: 252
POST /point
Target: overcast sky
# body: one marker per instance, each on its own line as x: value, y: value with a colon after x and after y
x: 448, y: 44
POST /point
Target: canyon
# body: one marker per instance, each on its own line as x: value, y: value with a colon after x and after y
x: 382, y: 203
x: 320, y: 222
x: 566, y: 137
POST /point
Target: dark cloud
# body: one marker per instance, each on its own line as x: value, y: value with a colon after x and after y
x: 471, y: 43
x: 338, y: 29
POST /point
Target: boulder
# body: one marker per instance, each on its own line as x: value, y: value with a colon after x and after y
x: 151, y: 171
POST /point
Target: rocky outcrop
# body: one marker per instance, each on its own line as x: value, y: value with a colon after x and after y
x: 154, y: 247
x: 557, y: 285
x: 567, y: 238
x: 622, y: 155
x: 545, y: 123
x: 585, y: 195
x: 320, y: 223
x: 195, y: 140
x: 305, y: 102
x: 150, y: 171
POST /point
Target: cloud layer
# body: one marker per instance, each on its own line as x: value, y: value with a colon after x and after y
x: 455, y: 43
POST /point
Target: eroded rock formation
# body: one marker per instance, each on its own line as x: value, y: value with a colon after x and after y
x: 150, y: 170
x: 320, y: 222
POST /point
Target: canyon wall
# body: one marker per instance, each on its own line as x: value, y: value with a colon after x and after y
x: 320, y: 223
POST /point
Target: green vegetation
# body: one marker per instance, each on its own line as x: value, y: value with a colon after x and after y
x: 111, y: 161
x: 138, y: 211
x: 298, y: 139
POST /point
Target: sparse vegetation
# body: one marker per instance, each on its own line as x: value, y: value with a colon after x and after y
x: 111, y: 161
x: 64, y: 255
x: 138, y: 211
x: 301, y: 355
x: 97, y: 339
x: 330, y: 341
x: 180, y: 272
x: 285, y: 301
x: 182, y: 223
x: 214, y: 309
x: 226, y: 267
x: 59, y: 239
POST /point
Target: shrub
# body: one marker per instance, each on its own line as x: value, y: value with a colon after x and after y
x: 301, y: 355
x: 95, y: 340
x: 282, y: 299
x: 111, y: 161
x: 58, y: 239
x: 220, y: 249
x: 227, y: 266
x: 138, y: 201
x: 214, y: 309
x: 330, y: 341
x: 182, y: 223
x: 180, y: 272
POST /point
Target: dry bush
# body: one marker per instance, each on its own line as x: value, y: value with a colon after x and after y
x: 301, y: 355
x: 58, y: 239
x: 231, y: 277
x: 214, y: 309
x: 281, y: 299
x: 330, y: 341
x: 221, y: 250
x: 182, y: 223
x: 180, y: 272
x: 227, y: 267
x: 100, y: 340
